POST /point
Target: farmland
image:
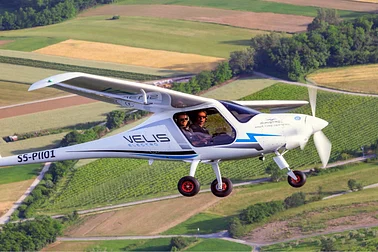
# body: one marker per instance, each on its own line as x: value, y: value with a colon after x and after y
x: 151, y: 33
x: 85, y: 63
x: 361, y: 79
x: 19, y: 173
x: 245, y: 5
x: 10, y: 192
x: 133, y: 56
x: 161, y: 244
x: 120, y: 180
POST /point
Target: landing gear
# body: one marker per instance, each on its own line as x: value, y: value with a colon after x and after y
x: 189, y: 186
x: 225, y: 190
x: 296, y: 178
x: 300, y: 181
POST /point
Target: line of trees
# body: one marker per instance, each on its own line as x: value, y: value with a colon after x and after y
x: 31, y: 13
x: 328, y: 42
x: 205, y: 79
x: 30, y: 235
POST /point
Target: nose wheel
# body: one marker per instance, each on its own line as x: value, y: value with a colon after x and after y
x: 300, y: 181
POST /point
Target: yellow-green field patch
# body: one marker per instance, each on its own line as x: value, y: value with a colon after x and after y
x: 131, y: 55
x: 363, y: 79
x: 85, y: 63
x: 11, y: 192
x: 15, y: 93
x: 239, y: 88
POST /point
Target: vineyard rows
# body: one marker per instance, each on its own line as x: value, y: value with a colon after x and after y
x: 352, y: 121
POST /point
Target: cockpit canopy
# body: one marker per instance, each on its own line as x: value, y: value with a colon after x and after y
x: 241, y: 113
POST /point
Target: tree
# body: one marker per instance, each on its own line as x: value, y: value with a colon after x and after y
x: 242, y: 61
x: 115, y: 119
x: 276, y: 174
x: 324, y: 18
x: 222, y: 73
x: 354, y: 185
x: 236, y: 228
x: 205, y: 79
x: 295, y: 200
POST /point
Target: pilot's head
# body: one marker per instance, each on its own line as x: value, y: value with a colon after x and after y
x: 182, y: 119
x: 201, y: 118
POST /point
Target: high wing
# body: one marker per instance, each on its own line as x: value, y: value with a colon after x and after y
x: 275, y: 106
x: 125, y: 93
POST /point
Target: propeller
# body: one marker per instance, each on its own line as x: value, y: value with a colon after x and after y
x: 322, y: 143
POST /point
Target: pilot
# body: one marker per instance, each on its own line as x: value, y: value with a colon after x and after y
x: 199, y: 124
x: 183, y: 123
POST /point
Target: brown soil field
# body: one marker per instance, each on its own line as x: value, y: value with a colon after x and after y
x: 146, y: 219
x: 43, y: 106
x: 69, y: 246
x: 282, y: 230
x: 11, y: 192
x: 250, y: 20
x: 363, y: 6
x: 131, y: 55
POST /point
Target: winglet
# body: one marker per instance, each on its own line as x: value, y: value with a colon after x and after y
x: 54, y: 80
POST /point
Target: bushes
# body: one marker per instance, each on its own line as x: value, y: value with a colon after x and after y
x: 260, y: 211
x: 295, y: 200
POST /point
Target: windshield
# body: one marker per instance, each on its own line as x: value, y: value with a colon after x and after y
x: 241, y: 113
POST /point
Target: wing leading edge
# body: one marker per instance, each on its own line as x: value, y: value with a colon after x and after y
x: 275, y: 106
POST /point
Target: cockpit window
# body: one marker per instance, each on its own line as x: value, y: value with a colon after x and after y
x: 241, y: 113
x: 205, y: 127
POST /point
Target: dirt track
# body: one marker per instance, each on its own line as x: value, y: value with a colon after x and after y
x: 43, y: 106
x: 251, y: 20
x: 334, y: 4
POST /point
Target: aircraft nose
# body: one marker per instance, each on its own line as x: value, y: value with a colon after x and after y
x: 316, y: 123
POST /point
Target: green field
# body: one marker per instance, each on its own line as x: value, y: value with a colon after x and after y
x: 152, y: 33
x: 246, y: 5
x: 120, y: 180
x: 160, y: 244
x: 19, y: 173
x: 203, y: 223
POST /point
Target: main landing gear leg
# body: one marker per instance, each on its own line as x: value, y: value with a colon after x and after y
x: 295, y: 178
x: 220, y: 187
x: 189, y: 185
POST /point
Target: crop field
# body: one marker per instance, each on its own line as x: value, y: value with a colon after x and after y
x: 89, y: 63
x: 15, y: 93
x: 151, y: 33
x: 10, y: 192
x: 245, y: 5
x: 237, y: 89
x: 122, y: 180
x: 236, y: 18
x: 56, y: 118
x: 19, y: 173
x: 24, y: 74
x: 363, y: 79
x: 27, y: 43
x: 132, y: 56
x: 160, y: 244
x: 31, y: 144
x: 144, y: 219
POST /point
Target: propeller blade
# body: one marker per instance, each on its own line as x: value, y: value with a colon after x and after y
x: 312, y: 96
x: 323, y: 146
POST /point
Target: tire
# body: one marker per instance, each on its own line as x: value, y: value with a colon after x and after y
x: 301, y: 179
x: 226, y: 188
x: 188, y: 186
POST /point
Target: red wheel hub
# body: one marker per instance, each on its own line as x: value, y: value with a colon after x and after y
x: 296, y: 180
x: 188, y: 186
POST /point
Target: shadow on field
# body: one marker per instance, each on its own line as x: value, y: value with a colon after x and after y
x: 241, y: 42
x: 55, y: 144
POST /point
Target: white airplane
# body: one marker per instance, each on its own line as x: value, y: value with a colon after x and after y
x: 235, y: 130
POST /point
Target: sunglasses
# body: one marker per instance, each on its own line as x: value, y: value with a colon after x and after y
x: 184, y: 119
x: 202, y: 117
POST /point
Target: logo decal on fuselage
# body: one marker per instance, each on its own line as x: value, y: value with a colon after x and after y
x: 144, y: 139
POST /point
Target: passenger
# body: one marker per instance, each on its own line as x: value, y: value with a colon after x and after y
x: 183, y: 123
x: 199, y: 124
